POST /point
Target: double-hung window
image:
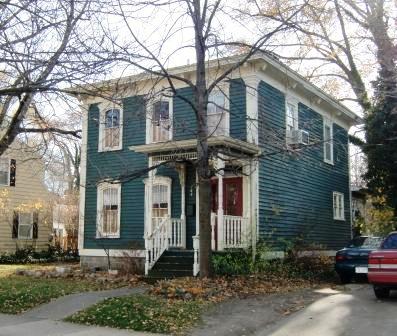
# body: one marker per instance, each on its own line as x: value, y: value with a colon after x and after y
x: 4, y: 172
x: 328, y: 142
x: 291, y: 119
x: 339, y: 206
x: 110, y: 128
x: 161, y: 129
x: 109, y: 196
x: 25, y: 227
x: 217, y: 114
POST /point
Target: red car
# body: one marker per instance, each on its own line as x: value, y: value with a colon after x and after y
x: 382, y: 267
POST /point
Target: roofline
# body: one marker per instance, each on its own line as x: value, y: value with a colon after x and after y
x: 179, y: 70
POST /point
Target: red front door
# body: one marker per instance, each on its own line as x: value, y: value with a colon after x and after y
x: 232, y: 199
x: 232, y: 196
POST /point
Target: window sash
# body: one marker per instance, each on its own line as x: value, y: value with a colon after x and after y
x: 338, y: 205
x: 291, y: 117
x: 110, y: 207
x: 4, y: 171
x: 25, y: 226
x: 328, y: 143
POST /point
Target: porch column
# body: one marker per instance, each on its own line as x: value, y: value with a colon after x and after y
x: 220, y: 165
x: 182, y: 180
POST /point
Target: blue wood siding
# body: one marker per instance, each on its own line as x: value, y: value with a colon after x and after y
x: 238, y: 109
x: 113, y: 164
x: 295, y: 190
x: 185, y: 123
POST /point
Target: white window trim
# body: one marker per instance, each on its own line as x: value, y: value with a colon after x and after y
x: 149, y: 114
x: 8, y: 173
x: 99, y: 232
x: 31, y: 227
x: 156, y: 180
x: 338, y: 194
x: 329, y: 123
x: 224, y: 89
x: 292, y: 100
x: 103, y: 108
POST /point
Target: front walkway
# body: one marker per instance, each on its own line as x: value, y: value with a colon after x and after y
x: 44, y: 320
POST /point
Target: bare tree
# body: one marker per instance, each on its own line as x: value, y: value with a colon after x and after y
x: 45, y: 46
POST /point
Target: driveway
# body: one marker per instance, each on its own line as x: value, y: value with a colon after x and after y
x: 355, y: 312
x: 352, y: 310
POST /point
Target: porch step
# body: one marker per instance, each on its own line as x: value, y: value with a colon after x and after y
x: 173, y: 264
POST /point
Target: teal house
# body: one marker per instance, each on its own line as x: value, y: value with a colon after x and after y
x: 280, y: 159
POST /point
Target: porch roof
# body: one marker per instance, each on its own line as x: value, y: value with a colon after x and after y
x: 190, y: 145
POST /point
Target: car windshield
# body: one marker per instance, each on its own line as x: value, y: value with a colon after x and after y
x: 366, y: 242
x: 390, y: 242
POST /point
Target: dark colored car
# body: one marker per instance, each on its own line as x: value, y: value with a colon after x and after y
x: 383, y: 267
x: 352, y: 261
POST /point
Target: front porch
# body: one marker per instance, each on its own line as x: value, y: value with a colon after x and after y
x: 171, y: 210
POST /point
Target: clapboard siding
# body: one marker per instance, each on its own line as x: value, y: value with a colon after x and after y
x: 113, y: 164
x: 29, y: 192
x: 295, y: 190
x: 238, y: 109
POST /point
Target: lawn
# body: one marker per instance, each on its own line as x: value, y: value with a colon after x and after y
x: 20, y: 293
x: 143, y: 313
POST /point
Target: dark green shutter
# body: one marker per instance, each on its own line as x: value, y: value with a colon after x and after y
x: 15, y: 224
x: 13, y: 172
x: 35, y: 225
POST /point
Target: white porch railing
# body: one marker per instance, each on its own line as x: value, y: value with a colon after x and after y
x: 235, y: 232
x: 167, y: 232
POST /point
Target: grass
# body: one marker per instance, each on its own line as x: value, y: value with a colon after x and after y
x: 20, y: 293
x: 143, y: 313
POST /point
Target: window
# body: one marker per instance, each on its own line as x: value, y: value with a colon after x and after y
x: 4, y: 172
x: 109, y: 211
x: 390, y: 242
x: 25, y: 227
x: 110, y: 129
x: 161, y: 127
x: 328, y: 142
x: 159, y: 200
x: 291, y: 115
x: 217, y: 114
x: 339, y: 206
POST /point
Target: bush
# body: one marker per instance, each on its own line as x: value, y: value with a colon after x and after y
x: 294, y: 266
x: 28, y: 255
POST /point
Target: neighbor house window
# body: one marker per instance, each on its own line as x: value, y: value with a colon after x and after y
x: 110, y: 130
x: 328, y: 142
x: 109, y: 196
x: 339, y: 206
x: 217, y: 114
x: 25, y: 226
x: 161, y: 126
x: 4, y: 172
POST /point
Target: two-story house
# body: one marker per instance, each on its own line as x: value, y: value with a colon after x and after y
x: 25, y: 215
x: 281, y: 163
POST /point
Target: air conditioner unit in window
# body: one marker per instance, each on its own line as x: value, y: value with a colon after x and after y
x: 297, y: 137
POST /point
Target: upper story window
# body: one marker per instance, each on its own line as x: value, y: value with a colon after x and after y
x: 4, y: 172
x: 217, y: 113
x: 338, y: 205
x: 110, y: 129
x: 328, y: 142
x: 108, y: 221
x: 161, y: 120
x: 291, y: 115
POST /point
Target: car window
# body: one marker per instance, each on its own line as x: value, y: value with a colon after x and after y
x: 390, y: 242
x: 366, y: 242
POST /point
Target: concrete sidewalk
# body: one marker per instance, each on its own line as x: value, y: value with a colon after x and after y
x: 44, y: 320
x: 67, y: 305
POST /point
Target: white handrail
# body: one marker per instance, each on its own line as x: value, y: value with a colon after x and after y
x: 156, y: 243
x: 177, y: 233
